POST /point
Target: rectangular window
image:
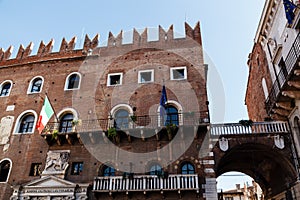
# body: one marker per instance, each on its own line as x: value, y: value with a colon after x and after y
x: 146, y: 76
x: 114, y: 79
x: 77, y: 168
x: 178, y: 73
x: 36, y: 169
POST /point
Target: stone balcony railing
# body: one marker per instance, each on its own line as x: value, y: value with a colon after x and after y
x: 144, y: 183
x: 70, y: 133
x: 139, y: 122
x: 254, y: 128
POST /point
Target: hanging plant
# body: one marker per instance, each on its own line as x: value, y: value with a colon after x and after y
x: 133, y: 118
x: 112, y: 132
x: 171, y: 130
x: 76, y: 122
x: 54, y: 134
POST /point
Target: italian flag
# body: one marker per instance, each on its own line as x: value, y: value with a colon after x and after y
x: 45, y: 115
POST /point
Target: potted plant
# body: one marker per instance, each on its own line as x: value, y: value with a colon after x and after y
x: 54, y: 134
x: 76, y: 122
x: 133, y: 118
x: 112, y: 133
x: 246, y: 122
x: 171, y: 130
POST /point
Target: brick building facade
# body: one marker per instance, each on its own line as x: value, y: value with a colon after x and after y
x: 107, y: 113
x: 277, y: 44
x: 259, y: 80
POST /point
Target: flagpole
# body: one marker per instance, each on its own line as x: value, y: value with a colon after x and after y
x: 52, y: 107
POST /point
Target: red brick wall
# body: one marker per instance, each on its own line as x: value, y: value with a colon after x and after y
x: 25, y: 149
x: 255, y: 98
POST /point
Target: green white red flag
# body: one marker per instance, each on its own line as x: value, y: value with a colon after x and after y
x: 46, y: 113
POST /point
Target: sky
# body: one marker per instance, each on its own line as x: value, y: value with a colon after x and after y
x: 228, y: 30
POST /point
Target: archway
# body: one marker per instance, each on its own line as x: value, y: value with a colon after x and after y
x: 270, y: 167
x: 238, y: 185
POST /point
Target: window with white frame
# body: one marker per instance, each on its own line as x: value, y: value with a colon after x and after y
x: 26, y: 122
x: 35, y: 85
x: 73, y: 81
x: 114, y: 79
x: 5, y: 88
x: 146, y: 76
x: 178, y: 73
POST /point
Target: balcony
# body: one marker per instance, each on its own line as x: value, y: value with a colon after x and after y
x: 144, y: 183
x: 255, y: 128
x: 139, y: 124
x: 287, y: 84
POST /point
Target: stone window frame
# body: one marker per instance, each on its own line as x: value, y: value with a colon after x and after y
x: 153, y: 164
x: 179, y: 109
x: 187, y: 162
x: 4, y: 83
x: 80, y: 165
x: 19, y: 120
x: 67, y: 81
x: 146, y: 71
x: 33, y: 169
x: 29, y: 90
x: 114, y: 74
x: 118, y: 107
x: 172, y: 69
x: 64, y: 112
x: 111, y: 170
x: 10, y: 167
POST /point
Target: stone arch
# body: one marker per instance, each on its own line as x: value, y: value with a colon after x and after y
x: 102, y: 168
x: 30, y: 89
x: 73, y: 84
x: 186, y: 161
x: 261, y: 162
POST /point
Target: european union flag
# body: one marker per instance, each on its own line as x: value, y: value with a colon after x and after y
x: 163, y: 101
x: 289, y: 10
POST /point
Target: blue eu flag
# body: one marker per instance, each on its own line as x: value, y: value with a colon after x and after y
x: 289, y: 11
x: 163, y: 101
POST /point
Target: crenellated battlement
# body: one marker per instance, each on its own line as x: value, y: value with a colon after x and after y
x: 67, y: 48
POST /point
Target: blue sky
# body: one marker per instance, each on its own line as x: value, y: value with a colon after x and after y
x: 228, y: 30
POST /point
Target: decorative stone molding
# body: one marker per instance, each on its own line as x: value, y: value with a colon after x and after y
x: 50, y: 188
x: 56, y: 163
x: 223, y: 143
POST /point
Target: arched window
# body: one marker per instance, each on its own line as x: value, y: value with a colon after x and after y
x: 121, y: 119
x: 65, y: 125
x: 265, y: 88
x: 72, y: 81
x: 26, y: 123
x: 172, y: 115
x: 35, y: 85
x: 5, y: 167
x: 5, y: 89
x: 155, y: 169
x: 187, y: 168
x: 108, y: 171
